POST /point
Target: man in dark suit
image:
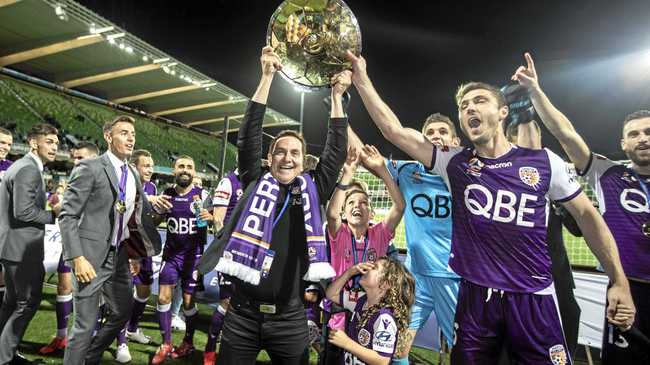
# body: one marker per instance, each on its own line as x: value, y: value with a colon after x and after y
x: 103, y: 195
x: 22, y: 229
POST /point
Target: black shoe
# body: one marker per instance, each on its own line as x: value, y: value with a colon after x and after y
x: 20, y: 360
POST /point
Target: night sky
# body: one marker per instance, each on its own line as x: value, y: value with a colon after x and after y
x: 592, y: 57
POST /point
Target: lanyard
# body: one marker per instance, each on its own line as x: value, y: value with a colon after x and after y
x: 644, y: 187
x: 353, y: 243
x: 284, y: 207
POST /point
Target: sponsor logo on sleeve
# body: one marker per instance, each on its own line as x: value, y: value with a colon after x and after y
x: 385, y: 334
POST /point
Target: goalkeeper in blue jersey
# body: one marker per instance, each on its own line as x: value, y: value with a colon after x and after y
x: 427, y: 220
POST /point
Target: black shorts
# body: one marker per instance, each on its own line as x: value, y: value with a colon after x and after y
x: 621, y: 348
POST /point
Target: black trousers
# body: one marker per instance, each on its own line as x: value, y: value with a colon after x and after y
x: 246, y: 331
x: 24, y: 287
x: 620, y: 348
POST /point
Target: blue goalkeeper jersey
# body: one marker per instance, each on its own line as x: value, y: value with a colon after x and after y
x: 427, y: 218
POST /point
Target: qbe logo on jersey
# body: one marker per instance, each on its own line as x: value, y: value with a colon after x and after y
x: 181, y: 225
x: 634, y: 201
x: 506, y: 207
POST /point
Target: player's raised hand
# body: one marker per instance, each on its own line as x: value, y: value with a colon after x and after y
x: 527, y: 76
x: 270, y: 61
x: 351, y: 162
x: 371, y: 158
x: 340, y: 82
x: 359, y: 72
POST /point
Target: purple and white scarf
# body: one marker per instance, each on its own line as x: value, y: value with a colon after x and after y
x: 248, y: 255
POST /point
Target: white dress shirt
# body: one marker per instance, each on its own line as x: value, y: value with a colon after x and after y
x: 130, y: 198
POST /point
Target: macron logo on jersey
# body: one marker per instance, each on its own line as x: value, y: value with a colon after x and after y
x: 506, y: 207
x: 499, y: 165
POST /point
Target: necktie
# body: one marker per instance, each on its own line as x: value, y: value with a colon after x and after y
x: 122, y: 197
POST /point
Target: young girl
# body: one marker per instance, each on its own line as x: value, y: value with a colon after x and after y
x: 381, y: 317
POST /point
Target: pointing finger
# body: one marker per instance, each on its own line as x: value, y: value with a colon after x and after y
x: 530, y: 62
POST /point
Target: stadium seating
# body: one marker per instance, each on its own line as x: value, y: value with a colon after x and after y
x: 84, y: 119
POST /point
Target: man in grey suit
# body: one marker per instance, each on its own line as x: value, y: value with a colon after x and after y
x: 103, y: 195
x: 22, y: 229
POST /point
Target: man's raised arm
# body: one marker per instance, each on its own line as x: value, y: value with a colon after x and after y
x: 407, y: 139
x: 249, y: 137
x: 556, y: 122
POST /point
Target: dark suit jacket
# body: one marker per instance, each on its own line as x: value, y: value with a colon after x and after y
x: 23, y: 216
x: 88, y: 213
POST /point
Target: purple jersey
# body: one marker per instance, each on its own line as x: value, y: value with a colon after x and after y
x: 149, y: 188
x: 4, y: 165
x: 378, y: 334
x: 228, y: 193
x: 500, y: 214
x: 625, y: 209
x: 183, y: 236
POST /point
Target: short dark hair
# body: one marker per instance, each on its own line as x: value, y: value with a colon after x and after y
x: 41, y: 129
x: 6, y: 132
x: 463, y: 89
x: 85, y: 145
x: 639, y: 114
x: 440, y: 118
x: 184, y: 157
x: 289, y: 133
x: 135, y: 156
x: 119, y: 119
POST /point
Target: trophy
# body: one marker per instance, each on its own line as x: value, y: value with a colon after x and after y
x: 311, y: 38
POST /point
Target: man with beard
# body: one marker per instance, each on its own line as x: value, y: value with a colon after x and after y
x: 63, y: 307
x: 143, y: 163
x: 499, y: 229
x: 275, y: 240
x: 623, y: 197
x: 6, y: 140
x: 103, y: 195
x: 22, y: 229
x: 186, y: 236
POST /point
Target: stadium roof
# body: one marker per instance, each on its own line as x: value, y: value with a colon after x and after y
x: 69, y: 45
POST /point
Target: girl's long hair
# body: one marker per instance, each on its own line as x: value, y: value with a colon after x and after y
x: 399, y: 297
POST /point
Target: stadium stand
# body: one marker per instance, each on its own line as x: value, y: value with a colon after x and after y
x: 84, y: 120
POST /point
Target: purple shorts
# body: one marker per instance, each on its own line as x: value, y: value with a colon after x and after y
x: 63, y: 267
x: 145, y: 276
x: 527, y: 324
x: 180, y: 266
